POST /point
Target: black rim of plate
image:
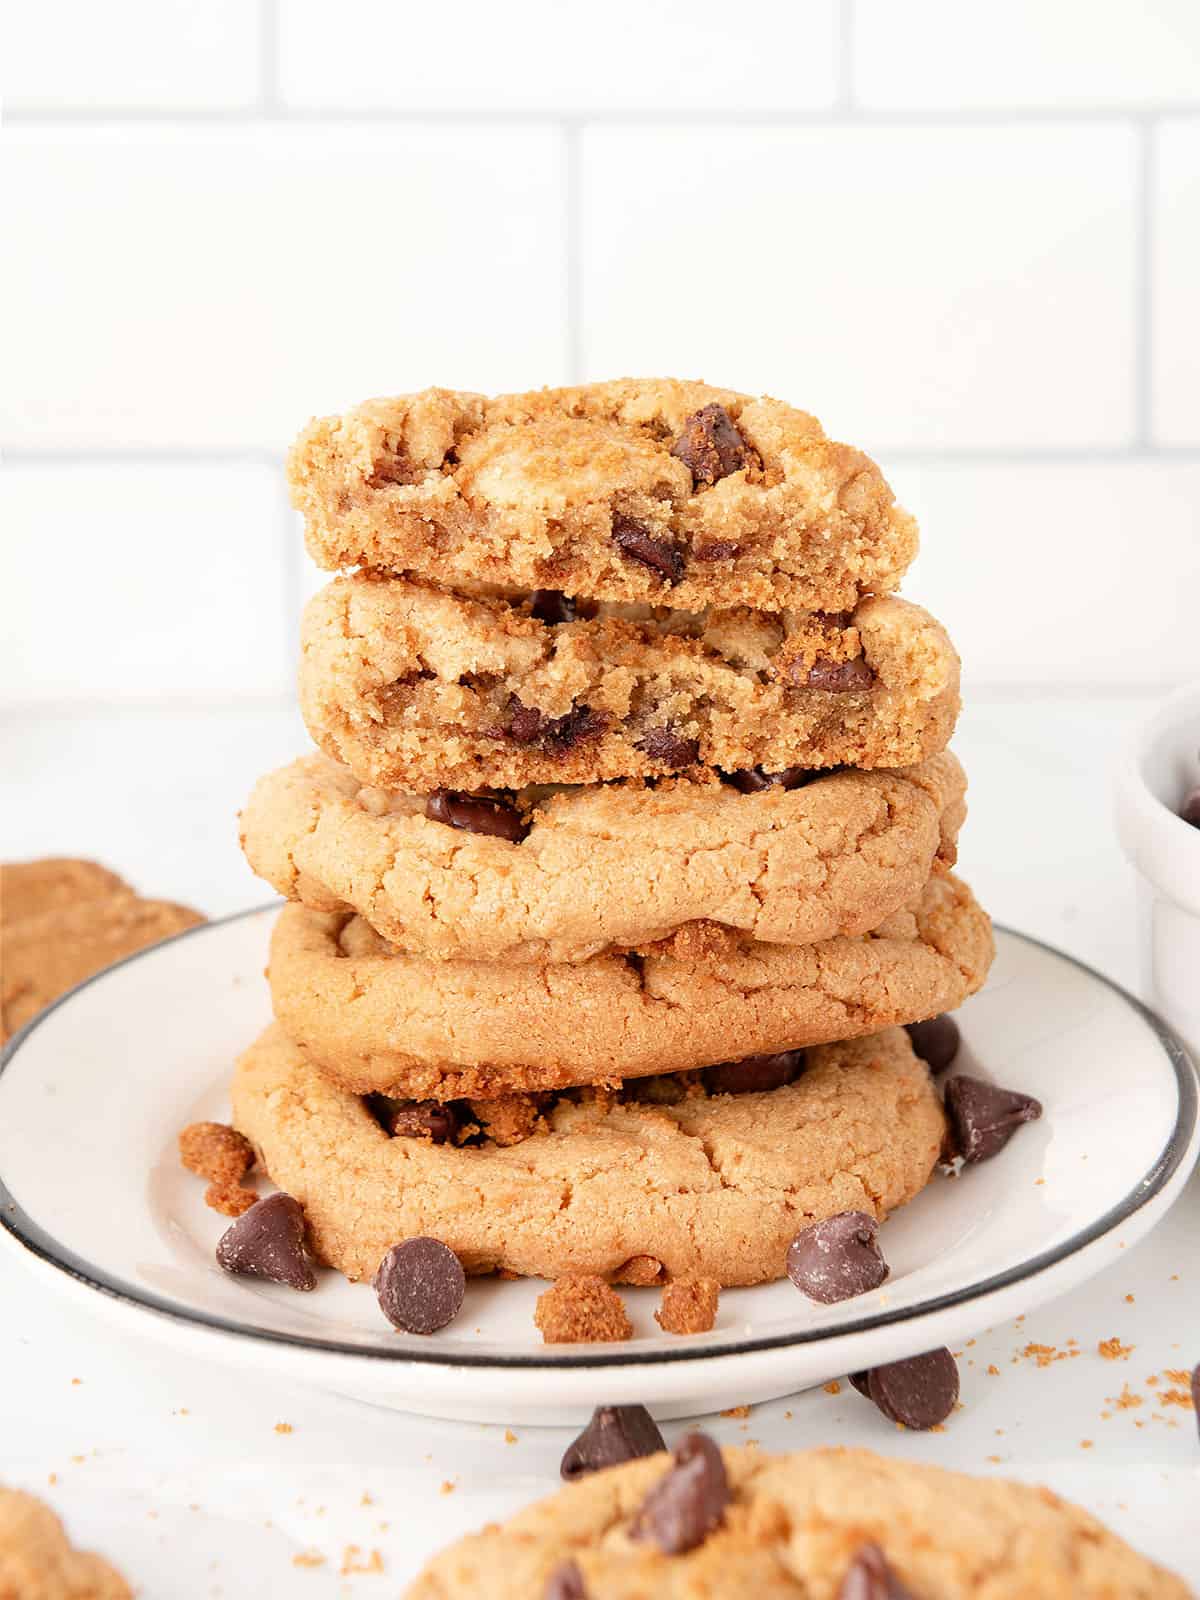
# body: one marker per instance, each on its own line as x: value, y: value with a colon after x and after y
x: 51, y: 1250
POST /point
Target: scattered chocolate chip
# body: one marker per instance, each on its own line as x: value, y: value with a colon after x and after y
x: 639, y: 544
x: 669, y: 747
x: 551, y: 606
x: 753, y: 780
x: 869, y: 1577
x: 936, y: 1041
x: 840, y: 677
x: 1191, y: 809
x: 420, y: 1285
x: 919, y: 1392
x: 476, y: 813
x: 416, y: 1119
x: 859, y: 1381
x: 719, y: 550
x: 710, y: 446
x: 686, y: 1506
x: 615, y: 1434
x: 268, y: 1242
x: 1196, y: 1392
x: 984, y: 1117
x: 754, y: 1074
x: 565, y: 1583
x: 837, y: 1258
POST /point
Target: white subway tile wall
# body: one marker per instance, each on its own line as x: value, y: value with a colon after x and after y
x: 967, y: 237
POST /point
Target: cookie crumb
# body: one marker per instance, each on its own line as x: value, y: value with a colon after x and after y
x: 832, y: 1387
x: 689, y: 1305
x: 641, y: 1271
x: 1114, y: 1350
x: 993, y: 1370
x: 221, y: 1154
x: 308, y: 1558
x: 283, y: 1427
x: 1086, y: 1444
x: 576, y: 1310
x: 509, y: 1436
x: 230, y: 1199
x: 509, y: 1120
x: 353, y: 1561
x: 737, y: 1411
x: 448, y: 1486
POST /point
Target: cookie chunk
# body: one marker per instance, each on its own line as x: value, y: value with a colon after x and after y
x: 582, y: 1310
x: 404, y: 1025
x: 795, y: 1525
x: 42, y: 957
x: 38, y: 1561
x: 714, y: 1186
x: 603, y: 867
x: 634, y: 490
x: 414, y: 687
x: 55, y: 883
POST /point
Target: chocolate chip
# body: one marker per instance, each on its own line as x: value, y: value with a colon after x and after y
x: 268, y: 1242
x: 416, y: 1119
x: 551, y: 606
x: 615, y: 1434
x: 719, y: 550
x: 936, y: 1041
x: 689, y: 1503
x: 919, y: 1392
x: 753, y: 780
x: 420, y: 1285
x: 840, y: 677
x: 1191, y: 809
x: 560, y: 734
x: 860, y: 1381
x: 837, y: 1258
x: 634, y: 539
x: 984, y: 1117
x: 524, y: 723
x: 669, y: 747
x: 1196, y: 1392
x: 477, y: 813
x: 565, y: 1583
x: 710, y: 446
x: 754, y: 1074
x: 869, y: 1577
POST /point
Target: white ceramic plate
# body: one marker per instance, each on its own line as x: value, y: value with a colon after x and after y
x: 93, y: 1093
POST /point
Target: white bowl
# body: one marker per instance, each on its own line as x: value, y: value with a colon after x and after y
x: 1160, y: 770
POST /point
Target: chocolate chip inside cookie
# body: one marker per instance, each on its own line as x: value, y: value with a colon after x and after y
x: 635, y: 540
x: 753, y: 780
x: 477, y: 813
x: 754, y: 1074
x: 710, y: 446
x: 840, y: 677
x: 869, y: 1577
x: 415, y: 1119
x: 936, y: 1041
x: 565, y: 1583
x: 669, y: 747
x: 614, y: 1434
x: 688, y: 1504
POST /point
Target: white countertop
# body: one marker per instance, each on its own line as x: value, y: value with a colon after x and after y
x: 143, y: 1438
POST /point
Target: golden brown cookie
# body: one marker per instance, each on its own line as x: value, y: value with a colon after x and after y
x: 414, y: 687
x: 38, y: 1562
x: 43, y: 956
x: 641, y: 489
x: 714, y: 1185
x: 794, y: 1528
x: 607, y: 866
x: 405, y: 1025
x: 55, y: 883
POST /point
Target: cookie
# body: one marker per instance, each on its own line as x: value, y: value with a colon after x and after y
x: 55, y: 883
x: 603, y: 867
x: 38, y: 1562
x: 794, y: 1527
x: 413, y: 687
x: 380, y: 1021
x: 714, y: 1186
x: 43, y: 956
x: 641, y: 489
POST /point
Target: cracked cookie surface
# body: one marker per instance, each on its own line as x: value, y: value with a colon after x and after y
x: 792, y: 1531
x: 38, y: 1561
x: 380, y: 1021
x: 414, y: 687
x: 620, y: 491
x: 714, y: 1185
x: 604, y: 867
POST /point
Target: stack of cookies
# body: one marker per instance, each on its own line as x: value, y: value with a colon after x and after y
x: 627, y: 852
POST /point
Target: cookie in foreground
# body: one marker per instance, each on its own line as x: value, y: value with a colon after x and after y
x: 709, y: 1184
x: 827, y: 1524
x: 38, y: 1561
x: 631, y: 490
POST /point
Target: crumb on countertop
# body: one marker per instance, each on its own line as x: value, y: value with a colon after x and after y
x: 1113, y: 1350
x: 737, y: 1411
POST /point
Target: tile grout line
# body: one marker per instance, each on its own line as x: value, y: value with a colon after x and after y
x: 1143, y: 291
x: 844, y: 64
x: 573, y: 262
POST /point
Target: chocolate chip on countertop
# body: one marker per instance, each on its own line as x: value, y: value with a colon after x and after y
x: 1191, y: 809
x: 754, y: 1074
x: 936, y: 1040
x: 984, y: 1117
x: 687, y: 1505
x: 420, y: 1285
x: 840, y: 677
x: 669, y: 747
x: 551, y: 606
x: 635, y: 540
x: 268, y: 1242
x: 476, y: 813
x: 710, y: 446
x: 753, y: 780
x: 615, y: 1434
x: 416, y: 1119
x: 919, y: 1392
x: 859, y: 1381
x: 869, y: 1577
x: 565, y: 1583
x: 837, y: 1258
